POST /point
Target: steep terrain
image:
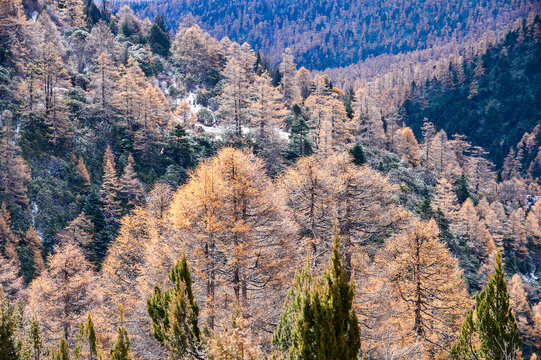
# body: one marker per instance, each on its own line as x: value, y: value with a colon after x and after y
x: 330, y: 33
x: 493, y: 99
x: 181, y: 196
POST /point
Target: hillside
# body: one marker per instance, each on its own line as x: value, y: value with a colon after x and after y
x: 493, y: 99
x: 181, y: 196
x: 329, y: 34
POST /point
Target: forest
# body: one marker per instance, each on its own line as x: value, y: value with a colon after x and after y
x: 168, y: 194
x: 334, y: 33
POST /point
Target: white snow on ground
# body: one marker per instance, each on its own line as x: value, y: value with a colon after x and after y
x: 218, y: 130
x: 33, y: 212
x: 194, y: 107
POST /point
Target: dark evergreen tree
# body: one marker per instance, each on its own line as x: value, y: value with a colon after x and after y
x: 35, y: 339
x: 424, y: 209
x: 175, y: 314
x: 92, y: 207
x: 462, y: 190
x: 328, y: 328
x: 489, y: 331
x: 299, y: 144
x: 8, y: 324
x: 178, y: 147
x: 159, y: 37
x: 357, y: 152
x: 92, y: 13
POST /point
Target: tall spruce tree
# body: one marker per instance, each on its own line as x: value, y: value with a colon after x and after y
x: 175, y: 313
x: 489, y: 331
x: 328, y: 327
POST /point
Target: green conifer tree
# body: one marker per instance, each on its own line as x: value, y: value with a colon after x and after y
x: 35, y: 340
x: 299, y: 143
x: 63, y: 352
x: 357, y: 152
x: 328, y: 327
x: 175, y: 314
x: 88, y: 339
x: 8, y: 341
x: 121, y: 348
x: 159, y: 38
x: 462, y: 190
x: 296, y: 294
x: 489, y: 332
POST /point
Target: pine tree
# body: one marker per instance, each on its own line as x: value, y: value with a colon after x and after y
x: 35, y: 339
x: 88, y: 342
x: 121, y: 348
x: 282, y: 337
x: 328, y: 327
x: 109, y: 187
x: 175, y: 314
x: 462, y: 190
x: 357, y: 152
x: 63, y: 351
x: 299, y: 140
x: 159, y: 37
x: 489, y: 331
x: 8, y: 327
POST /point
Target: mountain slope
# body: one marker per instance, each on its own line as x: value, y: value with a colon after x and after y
x: 494, y: 99
x: 328, y: 33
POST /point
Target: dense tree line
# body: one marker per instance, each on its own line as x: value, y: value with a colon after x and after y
x: 493, y: 99
x: 328, y: 34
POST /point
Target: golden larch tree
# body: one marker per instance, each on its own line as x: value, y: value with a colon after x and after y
x: 240, y: 235
x: 267, y: 108
x: 289, y: 85
x: 14, y: 172
x: 429, y: 290
x: 63, y: 294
